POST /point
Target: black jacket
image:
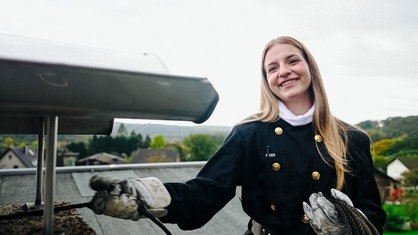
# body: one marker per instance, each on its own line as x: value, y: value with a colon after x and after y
x: 278, y: 170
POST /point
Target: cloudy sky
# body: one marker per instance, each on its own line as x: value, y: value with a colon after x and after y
x: 367, y: 50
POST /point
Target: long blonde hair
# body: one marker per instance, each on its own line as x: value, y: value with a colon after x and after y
x: 333, y: 131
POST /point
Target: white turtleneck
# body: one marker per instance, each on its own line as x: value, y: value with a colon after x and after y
x: 295, y: 120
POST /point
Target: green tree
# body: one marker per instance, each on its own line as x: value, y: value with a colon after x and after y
x: 400, y: 126
x: 381, y: 161
x: 410, y: 198
x: 134, y: 141
x: 382, y: 147
x: 146, y: 143
x: 368, y: 125
x: 100, y: 144
x: 118, y: 145
x: 78, y: 147
x: 181, y: 149
x: 158, y: 142
x: 405, y: 144
x: 376, y: 135
x: 121, y: 145
x: 201, y: 147
x: 34, y: 144
x: 411, y: 177
x: 9, y: 142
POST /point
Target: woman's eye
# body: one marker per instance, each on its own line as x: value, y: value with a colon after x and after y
x: 272, y: 69
x: 293, y: 61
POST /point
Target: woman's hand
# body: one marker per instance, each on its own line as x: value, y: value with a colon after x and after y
x: 125, y: 198
x: 323, y: 217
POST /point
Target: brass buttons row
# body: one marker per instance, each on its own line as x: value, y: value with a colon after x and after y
x: 276, y: 167
x: 305, y: 218
x: 279, y: 131
x: 314, y: 175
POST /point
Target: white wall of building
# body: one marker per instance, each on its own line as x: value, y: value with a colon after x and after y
x: 395, y: 169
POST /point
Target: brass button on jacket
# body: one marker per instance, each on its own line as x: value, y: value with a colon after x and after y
x: 318, y: 138
x: 315, y: 175
x: 276, y: 166
x: 278, y: 131
x: 305, y: 219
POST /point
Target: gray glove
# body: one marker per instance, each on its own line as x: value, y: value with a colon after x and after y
x: 122, y: 198
x: 323, y: 217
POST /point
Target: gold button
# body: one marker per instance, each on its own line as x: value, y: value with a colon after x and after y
x: 273, y: 207
x: 276, y: 166
x: 305, y: 219
x: 318, y: 138
x: 278, y: 131
x: 315, y: 175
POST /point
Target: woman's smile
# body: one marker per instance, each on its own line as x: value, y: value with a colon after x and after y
x: 288, y: 82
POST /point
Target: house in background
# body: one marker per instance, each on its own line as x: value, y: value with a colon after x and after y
x: 19, y: 157
x: 66, y: 158
x: 101, y: 159
x: 385, y: 184
x: 397, y: 166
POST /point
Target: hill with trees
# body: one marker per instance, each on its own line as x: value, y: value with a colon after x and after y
x: 170, y: 132
x: 392, y: 127
x: 393, y: 137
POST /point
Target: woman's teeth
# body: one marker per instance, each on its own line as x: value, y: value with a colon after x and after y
x: 288, y: 82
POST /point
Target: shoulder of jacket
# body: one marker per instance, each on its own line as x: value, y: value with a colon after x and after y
x: 358, y: 135
x: 251, y: 128
x: 355, y: 133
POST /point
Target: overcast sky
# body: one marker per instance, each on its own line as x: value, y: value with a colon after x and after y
x: 367, y: 50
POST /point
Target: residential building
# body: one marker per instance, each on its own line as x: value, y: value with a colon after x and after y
x: 101, y: 159
x: 398, y: 166
x: 19, y: 157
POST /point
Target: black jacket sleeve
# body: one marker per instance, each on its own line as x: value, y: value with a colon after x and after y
x: 363, y: 189
x: 195, y: 202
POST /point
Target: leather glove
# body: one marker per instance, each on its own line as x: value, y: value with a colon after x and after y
x: 323, y: 217
x: 126, y: 198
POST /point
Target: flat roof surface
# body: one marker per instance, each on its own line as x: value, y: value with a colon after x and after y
x: 72, y: 186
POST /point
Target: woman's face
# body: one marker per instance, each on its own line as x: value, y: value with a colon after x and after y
x: 288, y: 74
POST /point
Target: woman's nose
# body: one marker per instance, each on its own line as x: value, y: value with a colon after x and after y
x: 284, y: 71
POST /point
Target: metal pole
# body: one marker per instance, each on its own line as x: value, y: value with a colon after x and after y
x: 39, y: 166
x: 50, y: 163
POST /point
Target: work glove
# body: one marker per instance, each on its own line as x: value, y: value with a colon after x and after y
x: 323, y: 217
x: 128, y: 198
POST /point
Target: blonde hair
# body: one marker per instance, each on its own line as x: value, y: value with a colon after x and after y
x: 333, y: 131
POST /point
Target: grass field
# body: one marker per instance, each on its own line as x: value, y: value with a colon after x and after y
x: 401, y: 233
